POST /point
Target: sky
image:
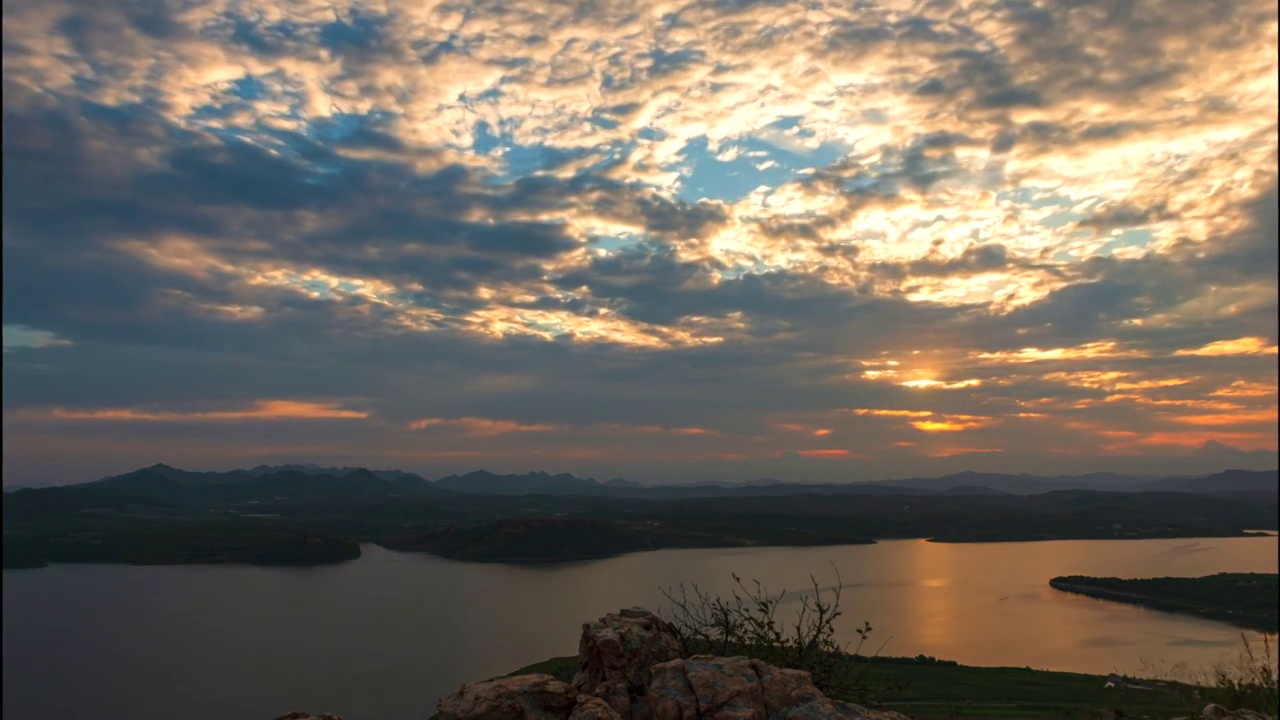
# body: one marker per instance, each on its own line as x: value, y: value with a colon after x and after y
x: 663, y: 240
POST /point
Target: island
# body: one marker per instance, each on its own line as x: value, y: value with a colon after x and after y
x: 1248, y: 600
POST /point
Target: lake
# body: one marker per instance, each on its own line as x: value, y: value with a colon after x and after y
x: 383, y: 637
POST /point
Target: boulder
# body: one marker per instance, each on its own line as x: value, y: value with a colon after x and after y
x: 590, y: 707
x: 523, y: 697
x: 616, y: 655
x: 1217, y: 712
x: 705, y: 687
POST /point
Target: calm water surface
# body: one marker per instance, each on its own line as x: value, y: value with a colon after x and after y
x: 382, y: 638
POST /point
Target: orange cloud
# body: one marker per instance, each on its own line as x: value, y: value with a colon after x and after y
x: 1150, y: 384
x: 953, y: 423
x: 1191, y: 439
x: 953, y: 452
x: 1199, y: 404
x: 481, y: 426
x: 1113, y: 380
x: 795, y: 427
x: 1244, y: 388
x: 940, y: 385
x: 832, y: 453
x: 1086, y: 378
x: 661, y: 429
x: 1239, y: 418
x: 877, y: 374
x: 260, y: 410
x: 1239, y: 346
x: 892, y: 413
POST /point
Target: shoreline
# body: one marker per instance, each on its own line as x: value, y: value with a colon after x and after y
x: 36, y: 564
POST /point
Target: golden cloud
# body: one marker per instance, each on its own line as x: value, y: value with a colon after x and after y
x: 881, y: 412
x: 260, y: 410
x: 1237, y: 418
x: 1086, y: 351
x: 940, y: 384
x: 953, y: 423
x: 1239, y: 346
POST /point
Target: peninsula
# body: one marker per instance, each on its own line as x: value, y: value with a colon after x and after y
x: 1249, y: 600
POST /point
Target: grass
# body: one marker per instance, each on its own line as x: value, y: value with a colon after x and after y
x: 560, y: 668
x: 1249, y: 682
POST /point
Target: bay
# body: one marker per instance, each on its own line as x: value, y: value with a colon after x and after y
x: 383, y: 637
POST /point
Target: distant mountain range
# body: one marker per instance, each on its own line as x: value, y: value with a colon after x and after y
x: 173, y: 486
x: 299, y: 514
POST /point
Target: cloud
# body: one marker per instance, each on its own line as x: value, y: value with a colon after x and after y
x: 829, y: 453
x: 1239, y: 346
x: 651, y: 224
x: 21, y: 336
x: 957, y: 452
x: 953, y: 423
x: 1104, y: 349
x: 941, y: 384
x: 479, y: 426
x: 1267, y: 417
x: 892, y: 413
x: 260, y: 410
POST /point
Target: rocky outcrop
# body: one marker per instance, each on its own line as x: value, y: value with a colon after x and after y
x: 616, y: 655
x: 523, y: 697
x: 629, y: 668
x: 1217, y: 712
x: 593, y: 708
x: 705, y: 687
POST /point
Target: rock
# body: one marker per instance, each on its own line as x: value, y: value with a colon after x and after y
x: 590, y: 707
x: 1217, y: 712
x: 616, y: 655
x: 629, y: 668
x: 784, y: 688
x: 721, y: 688
x: 524, y: 697
x: 827, y: 709
x: 298, y: 715
x: 705, y: 687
